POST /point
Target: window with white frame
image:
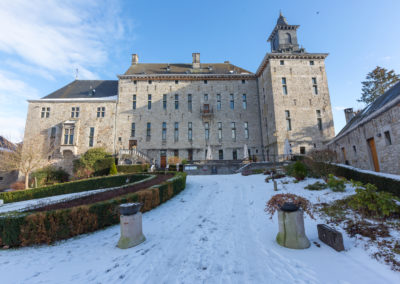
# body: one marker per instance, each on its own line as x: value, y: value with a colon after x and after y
x: 246, y: 130
x: 45, y: 112
x: 75, y: 112
x: 101, y: 111
x: 207, y: 130
x: 219, y: 130
x: 190, y: 131
x: 244, y: 101
x: 233, y: 129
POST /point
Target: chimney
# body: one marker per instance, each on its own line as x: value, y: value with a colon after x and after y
x: 196, y: 60
x: 135, y: 59
x: 349, y: 114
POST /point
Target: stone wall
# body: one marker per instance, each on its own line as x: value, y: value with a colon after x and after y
x: 300, y: 101
x: 356, y: 148
x: 197, y: 88
x: 39, y: 130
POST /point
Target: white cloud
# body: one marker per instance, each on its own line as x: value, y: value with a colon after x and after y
x: 12, y: 88
x: 60, y: 36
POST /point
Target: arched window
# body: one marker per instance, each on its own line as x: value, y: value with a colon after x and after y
x: 287, y: 39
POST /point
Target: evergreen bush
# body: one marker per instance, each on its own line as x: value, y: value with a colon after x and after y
x: 297, y: 170
x: 69, y: 187
x: 22, y: 229
x: 336, y: 184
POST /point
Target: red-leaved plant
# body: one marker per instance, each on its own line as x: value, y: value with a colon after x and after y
x: 277, y: 201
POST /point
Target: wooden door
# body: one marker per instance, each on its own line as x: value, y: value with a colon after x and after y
x: 372, y: 148
x: 163, y: 160
x: 132, y: 144
x: 190, y: 155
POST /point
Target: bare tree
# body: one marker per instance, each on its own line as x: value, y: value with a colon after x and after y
x: 24, y: 158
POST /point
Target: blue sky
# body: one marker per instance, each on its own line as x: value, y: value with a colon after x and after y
x: 43, y: 42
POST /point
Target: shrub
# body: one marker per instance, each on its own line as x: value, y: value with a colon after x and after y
x: 382, y: 183
x: 96, y: 161
x: 297, y: 170
x: 317, y: 186
x: 257, y: 171
x: 133, y: 168
x: 184, y: 162
x: 18, y: 185
x: 371, y: 203
x: 174, y: 160
x: 277, y: 201
x: 319, y: 162
x: 69, y: 187
x: 50, y: 175
x: 47, y: 227
x: 336, y: 184
x: 113, y: 169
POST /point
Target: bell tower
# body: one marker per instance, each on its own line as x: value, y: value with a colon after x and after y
x: 284, y: 37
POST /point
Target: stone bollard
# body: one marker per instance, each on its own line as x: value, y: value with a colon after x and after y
x: 291, y: 227
x: 275, y: 185
x: 131, y: 225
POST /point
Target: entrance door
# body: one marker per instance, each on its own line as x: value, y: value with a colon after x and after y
x: 190, y: 155
x: 132, y: 144
x: 372, y: 148
x: 163, y: 159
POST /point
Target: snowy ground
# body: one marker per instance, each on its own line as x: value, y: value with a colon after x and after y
x: 215, y: 231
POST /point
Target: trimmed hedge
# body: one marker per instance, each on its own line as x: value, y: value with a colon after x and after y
x: 133, y: 168
x: 69, y: 187
x: 382, y: 183
x: 24, y: 229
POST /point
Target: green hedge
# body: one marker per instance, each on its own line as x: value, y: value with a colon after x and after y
x: 382, y: 183
x: 69, y: 187
x: 133, y: 168
x: 22, y: 229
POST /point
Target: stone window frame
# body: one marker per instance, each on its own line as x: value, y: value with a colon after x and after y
x: 288, y: 120
x: 284, y: 86
x: 282, y: 62
x: 207, y: 131
x: 133, y: 129
x: 388, y: 138
x: 176, y: 82
x: 312, y: 62
x: 176, y: 101
x: 164, y: 131
x: 190, y: 102
x: 205, y: 82
x: 164, y: 105
x: 69, y: 135
x: 233, y: 130
x: 101, y: 112
x: 45, y: 113
x: 176, y: 131
x: 148, y: 129
x: 315, y: 85
x: 134, y: 101
x: 244, y: 101
x: 246, y: 130
x: 190, y: 131
x: 149, y: 99
x: 243, y: 81
x: 220, y: 131
x: 206, y: 97
x: 319, y: 120
x: 91, y: 136
x: 75, y: 112
x: 219, y: 104
x: 232, y: 101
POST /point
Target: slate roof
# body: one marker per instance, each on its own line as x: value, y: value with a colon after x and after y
x: 5, y: 144
x: 379, y: 103
x: 86, y: 89
x: 184, y: 68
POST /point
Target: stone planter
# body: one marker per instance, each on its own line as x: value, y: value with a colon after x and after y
x: 291, y: 228
x: 129, y: 208
x: 131, y: 225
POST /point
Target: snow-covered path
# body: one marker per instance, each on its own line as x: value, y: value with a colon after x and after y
x: 215, y: 231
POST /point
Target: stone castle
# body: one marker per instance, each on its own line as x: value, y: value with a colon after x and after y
x: 158, y: 110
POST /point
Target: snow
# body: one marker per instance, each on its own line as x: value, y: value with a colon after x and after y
x: 215, y: 231
x: 23, y: 205
x: 386, y: 175
x: 110, y: 98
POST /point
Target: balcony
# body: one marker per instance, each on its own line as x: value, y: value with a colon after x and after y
x: 206, y: 111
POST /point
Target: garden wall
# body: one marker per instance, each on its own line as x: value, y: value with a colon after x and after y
x: 22, y: 229
x: 382, y: 183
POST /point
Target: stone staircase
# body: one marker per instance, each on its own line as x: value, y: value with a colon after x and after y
x: 133, y: 155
